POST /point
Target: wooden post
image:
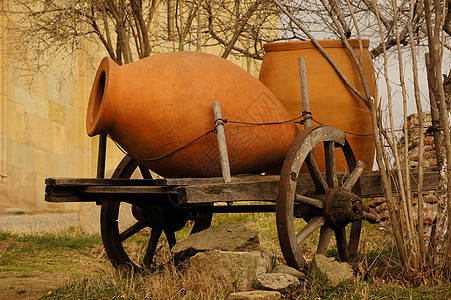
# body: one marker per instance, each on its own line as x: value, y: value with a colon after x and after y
x: 222, y: 144
x: 304, y: 92
x: 101, y: 157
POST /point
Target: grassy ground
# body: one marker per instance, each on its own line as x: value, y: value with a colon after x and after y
x: 72, y: 265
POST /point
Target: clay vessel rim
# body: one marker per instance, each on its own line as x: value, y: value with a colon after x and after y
x: 96, y: 104
x: 291, y: 46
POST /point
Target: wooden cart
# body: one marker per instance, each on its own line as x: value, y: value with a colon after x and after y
x: 327, y: 201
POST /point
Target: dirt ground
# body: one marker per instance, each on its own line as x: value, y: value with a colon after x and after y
x: 29, y: 269
x: 29, y: 285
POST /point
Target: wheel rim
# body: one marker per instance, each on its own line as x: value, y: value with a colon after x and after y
x: 113, y: 237
x: 317, y: 208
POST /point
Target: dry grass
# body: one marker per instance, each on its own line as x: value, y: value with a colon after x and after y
x: 90, y: 276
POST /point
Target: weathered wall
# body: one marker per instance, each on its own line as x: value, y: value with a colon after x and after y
x: 42, y: 129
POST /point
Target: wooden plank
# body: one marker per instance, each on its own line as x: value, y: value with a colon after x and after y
x: 75, y: 190
x: 215, y: 180
x: 371, y: 183
x: 263, y: 188
x: 129, y: 198
x: 238, y: 191
x: 267, y: 190
x: 61, y: 181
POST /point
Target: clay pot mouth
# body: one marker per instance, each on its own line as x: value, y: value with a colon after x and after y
x: 290, y: 46
x: 97, y: 99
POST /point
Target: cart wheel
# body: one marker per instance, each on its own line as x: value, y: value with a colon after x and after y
x: 156, y: 215
x: 329, y: 207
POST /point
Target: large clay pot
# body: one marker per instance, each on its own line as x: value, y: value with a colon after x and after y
x: 331, y: 101
x: 160, y: 104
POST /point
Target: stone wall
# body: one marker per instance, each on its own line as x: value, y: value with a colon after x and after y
x: 429, y: 164
x: 42, y: 128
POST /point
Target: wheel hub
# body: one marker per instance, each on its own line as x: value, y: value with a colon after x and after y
x: 343, y: 207
x: 161, y: 216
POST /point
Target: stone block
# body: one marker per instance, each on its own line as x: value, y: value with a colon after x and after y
x: 54, y: 88
x: 76, y: 128
x: 42, y: 108
x: 227, y: 237
x: 288, y: 270
x: 40, y: 191
x: 20, y: 155
x: 25, y: 97
x: 281, y: 282
x: 39, y: 132
x: 59, y: 139
x: 40, y: 165
x: 334, y: 272
x: 57, y: 113
x: 239, y: 269
x: 255, y: 295
x: 16, y: 122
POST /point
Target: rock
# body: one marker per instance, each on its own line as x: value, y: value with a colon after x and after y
x: 278, y: 282
x: 228, y: 237
x: 236, y: 268
x: 255, y: 295
x: 89, y: 217
x: 335, y: 272
x: 288, y: 270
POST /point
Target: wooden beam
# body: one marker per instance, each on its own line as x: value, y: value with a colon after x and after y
x: 200, y: 190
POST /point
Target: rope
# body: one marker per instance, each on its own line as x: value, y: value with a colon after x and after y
x: 305, y: 116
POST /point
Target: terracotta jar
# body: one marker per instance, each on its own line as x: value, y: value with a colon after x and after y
x: 154, y: 108
x: 331, y: 101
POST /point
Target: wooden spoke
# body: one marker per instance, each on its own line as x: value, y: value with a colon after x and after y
x: 135, y: 228
x: 145, y: 172
x: 325, y: 235
x: 340, y: 234
x: 170, y: 235
x: 372, y: 218
x: 301, y: 199
x: 311, y: 226
x: 354, y: 238
x: 152, y: 246
x: 320, y: 184
x: 331, y: 171
x: 354, y: 176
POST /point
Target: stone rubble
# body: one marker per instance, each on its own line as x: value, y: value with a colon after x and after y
x: 333, y: 271
x: 228, y: 237
x: 255, y: 295
x: 280, y: 282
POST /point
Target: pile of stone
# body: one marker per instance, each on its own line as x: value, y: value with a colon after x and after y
x: 233, y: 252
x: 429, y: 163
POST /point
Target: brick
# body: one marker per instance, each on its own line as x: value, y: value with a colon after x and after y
x: 381, y: 207
x: 428, y: 220
x: 383, y: 215
x: 430, y: 199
